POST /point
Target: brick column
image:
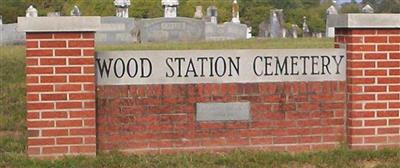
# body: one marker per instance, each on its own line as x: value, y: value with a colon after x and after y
x: 373, y: 78
x: 60, y: 79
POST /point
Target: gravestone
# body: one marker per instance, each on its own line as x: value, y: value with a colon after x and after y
x: 263, y: 29
x: 31, y: 12
x: 171, y: 29
x: 367, y: 9
x: 122, y: 8
x: 75, y: 11
x: 117, y: 30
x: 226, y: 31
x: 306, y: 30
x: 295, y: 31
x: 249, y: 35
x: 276, y: 23
x: 212, y: 14
x: 330, y: 31
x: 199, y: 12
x: 170, y: 8
x: 53, y: 14
x: 1, y: 20
x: 235, y: 12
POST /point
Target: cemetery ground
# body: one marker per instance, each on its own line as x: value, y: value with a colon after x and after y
x: 13, y: 129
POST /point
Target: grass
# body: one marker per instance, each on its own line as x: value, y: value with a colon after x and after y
x: 13, y: 134
x: 340, y: 158
x: 237, y: 44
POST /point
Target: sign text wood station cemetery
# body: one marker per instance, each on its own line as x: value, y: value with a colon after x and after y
x: 219, y: 66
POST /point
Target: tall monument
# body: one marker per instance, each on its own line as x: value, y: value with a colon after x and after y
x: 330, y: 31
x: 306, y: 29
x: 235, y: 12
x: 122, y: 8
x: 170, y: 8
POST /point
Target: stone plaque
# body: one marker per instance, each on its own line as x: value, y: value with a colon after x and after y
x: 171, y: 29
x: 219, y: 66
x: 223, y: 111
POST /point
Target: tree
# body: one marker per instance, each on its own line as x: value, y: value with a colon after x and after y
x: 350, y: 8
x: 384, y: 6
x: 10, y: 9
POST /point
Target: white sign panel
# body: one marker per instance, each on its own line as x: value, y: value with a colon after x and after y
x: 219, y: 66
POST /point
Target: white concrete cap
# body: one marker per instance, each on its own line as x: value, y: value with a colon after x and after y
x: 363, y: 20
x: 58, y: 24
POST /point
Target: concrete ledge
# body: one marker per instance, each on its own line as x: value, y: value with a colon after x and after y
x: 58, y: 24
x: 364, y: 21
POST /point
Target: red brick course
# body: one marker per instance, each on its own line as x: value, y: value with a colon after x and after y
x: 161, y: 118
x: 57, y: 104
x: 374, y: 94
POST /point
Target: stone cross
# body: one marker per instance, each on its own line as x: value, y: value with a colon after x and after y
x: 367, y: 9
x: 170, y: 8
x: 199, y: 12
x: 235, y: 12
x: 75, y: 11
x: 31, y: 12
x: 122, y: 8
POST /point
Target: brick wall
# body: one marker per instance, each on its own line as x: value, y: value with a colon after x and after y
x: 61, y: 117
x: 373, y: 83
x: 294, y: 116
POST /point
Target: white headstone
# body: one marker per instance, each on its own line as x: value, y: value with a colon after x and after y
x: 235, y: 12
x: 367, y: 9
x: 1, y: 20
x: 122, y: 8
x: 248, y: 35
x: 31, y: 12
x: 53, y: 14
x: 199, y: 12
x: 75, y: 11
x: 170, y: 8
x: 295, y: 29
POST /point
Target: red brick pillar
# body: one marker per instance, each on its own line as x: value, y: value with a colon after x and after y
x: 373, y: 78
x: 60, y: 79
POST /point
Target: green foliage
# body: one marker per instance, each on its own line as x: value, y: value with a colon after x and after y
x: 12, y: 88
x: 252, y: 12
x: 350, y: 8
x: 384, y: 6
x: 10, y: 9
